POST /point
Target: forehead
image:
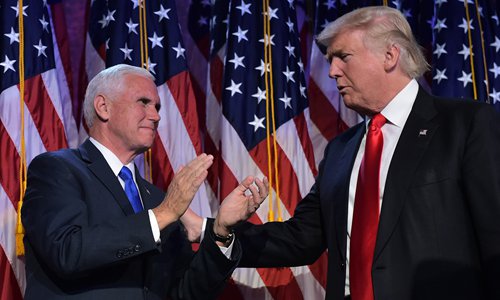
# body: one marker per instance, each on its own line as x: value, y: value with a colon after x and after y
x: 346, y: 39
x: 138, y: 85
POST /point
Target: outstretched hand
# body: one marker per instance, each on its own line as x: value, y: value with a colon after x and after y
x: 238, y: 206
x: 182, y: 189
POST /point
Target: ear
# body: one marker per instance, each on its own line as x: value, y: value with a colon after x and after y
x: 101, y: 107
x: 391, y: 57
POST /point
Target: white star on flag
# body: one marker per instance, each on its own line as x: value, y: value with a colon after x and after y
x: 126, y: 52
x: 8, y: 64
x: 179, y: 51
x: 465, y: 78
x: 244, y: 8
x: 41, y: 48
x: 13, y: 36
x: 241, y: 34
x: 237, y: 61
x: 257, y: 123
x: 234, y: 88
x: 156, y: 40
x: 162, y: 13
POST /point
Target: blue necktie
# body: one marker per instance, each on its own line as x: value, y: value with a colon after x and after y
x: 131, y: 189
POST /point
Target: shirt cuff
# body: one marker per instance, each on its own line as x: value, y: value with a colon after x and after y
x: 154, y: 226
x: 227, y: 251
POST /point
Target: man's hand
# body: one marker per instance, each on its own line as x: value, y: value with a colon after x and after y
x: 193, y: 224
x: 238, y: 206
x: 182, y: 189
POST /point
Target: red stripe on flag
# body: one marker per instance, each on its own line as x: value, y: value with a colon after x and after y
x: 60, y: 27
x: 231, y: 292
x: 323, y: 114
x: 305, y: 141
x: 44, y: 115
x: 215, y: 169
x: 161, y: 167
x: 9, y: 288
x: 9, y: 172
x: 216, y: 72
x: 182, y: 91
x: 228, y: 181
x: 319, y: 269
x: 289, y: 184
x: 203, y: 44
x: 199, y: 93
x: 281, y: 283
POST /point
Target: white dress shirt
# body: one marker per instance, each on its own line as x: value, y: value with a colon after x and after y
x: 396, y: 113
x: 116, y: 165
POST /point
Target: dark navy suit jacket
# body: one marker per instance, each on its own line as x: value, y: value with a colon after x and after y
x: 439, y: 228
x: 83, y: 240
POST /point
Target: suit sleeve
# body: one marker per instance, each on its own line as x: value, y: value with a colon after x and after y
x: 297, y: 241
x: 205, y: 274
x: 481, y: 172
x: 55, y: 215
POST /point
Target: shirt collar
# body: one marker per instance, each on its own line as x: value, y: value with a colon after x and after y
x: 113, y: 161
x: 399, y: 108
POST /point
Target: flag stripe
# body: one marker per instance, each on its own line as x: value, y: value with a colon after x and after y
x: 182, y: 93
x: 9, y: 288
x: 323, y: 114
x: 9, y: 159
x: 46, y: 119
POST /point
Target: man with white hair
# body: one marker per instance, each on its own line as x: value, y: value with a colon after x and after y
x: 95, y: 229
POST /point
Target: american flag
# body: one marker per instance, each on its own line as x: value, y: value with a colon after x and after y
x: 114, y: 36
x: 467, y: 66
x: 211, y: 107
x: 257, y: 113
x: 48, y: 118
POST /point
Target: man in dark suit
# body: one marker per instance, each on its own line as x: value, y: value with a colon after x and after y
x: 408, y: 202
x: 96, y: 230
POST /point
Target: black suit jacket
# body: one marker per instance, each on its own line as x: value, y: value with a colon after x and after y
x: 83, y: 240
x: 439, y: 228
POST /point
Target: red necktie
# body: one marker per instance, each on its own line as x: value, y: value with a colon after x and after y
x: 366, y: 214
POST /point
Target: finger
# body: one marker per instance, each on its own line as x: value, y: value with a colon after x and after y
x: 199, y: 178
x: 198, y: 161
x: 263, y: 190
x: 245, y: 184
x: 255, y: 199
x: 197, y: 165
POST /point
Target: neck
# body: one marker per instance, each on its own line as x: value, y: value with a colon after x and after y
x: 116, y: 146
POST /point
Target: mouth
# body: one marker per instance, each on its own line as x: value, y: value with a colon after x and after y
x: 342, y: 89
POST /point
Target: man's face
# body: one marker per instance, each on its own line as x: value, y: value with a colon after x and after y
x: 134, y: 117
x: 358, y: 70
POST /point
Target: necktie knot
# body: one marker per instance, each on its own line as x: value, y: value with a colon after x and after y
x: 377, y: 122
x: 125, y: 174
x: 130, y: 189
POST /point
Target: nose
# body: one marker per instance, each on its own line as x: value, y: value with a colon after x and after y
x: 153, y: 114
x: 334, y: 71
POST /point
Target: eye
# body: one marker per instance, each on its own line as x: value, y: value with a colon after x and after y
x: 344, y: 56
x: 144, y: 101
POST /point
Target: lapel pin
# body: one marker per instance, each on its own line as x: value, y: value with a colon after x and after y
x: 423, y: 132
x: 147, y: 191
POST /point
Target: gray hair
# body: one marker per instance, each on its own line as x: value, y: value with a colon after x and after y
x: 108, y: 81
x: 382, y: 26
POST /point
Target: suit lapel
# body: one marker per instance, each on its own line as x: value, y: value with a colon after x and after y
x: 100, y: 168
x: 147, y: 199
x: 412, y: 144
x: 338, y: 188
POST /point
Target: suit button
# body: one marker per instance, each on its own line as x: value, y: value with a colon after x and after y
x: 137, y: 248
x: 146, y: 290
x: 342, y: 266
